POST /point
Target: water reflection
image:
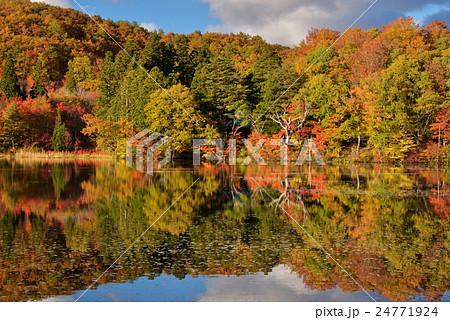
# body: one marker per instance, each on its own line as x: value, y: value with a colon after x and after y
x: 62, y: 224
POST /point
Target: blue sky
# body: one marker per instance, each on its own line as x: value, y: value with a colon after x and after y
x: 281, y: 21
x: 179, y: 16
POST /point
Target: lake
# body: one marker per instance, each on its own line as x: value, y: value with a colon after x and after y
x: 255, y: 233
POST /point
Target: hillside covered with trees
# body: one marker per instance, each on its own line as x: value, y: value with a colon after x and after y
x: 376, y: 95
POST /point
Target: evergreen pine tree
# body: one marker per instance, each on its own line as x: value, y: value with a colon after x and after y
x: 9, y: 83
x: 220, y: 89
x: 157, y: 54
x: 134, y: 94
x: 39, y: 76
x: 108, y: 86
x: 58, y: 134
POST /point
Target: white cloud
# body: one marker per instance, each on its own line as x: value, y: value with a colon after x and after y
x: 60, y: 3
x: 288, y: 21
x: 150, y: 26
x: 278, y: 285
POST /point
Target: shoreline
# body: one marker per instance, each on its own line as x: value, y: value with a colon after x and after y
x: 48, y: 156
x: 27, y: 155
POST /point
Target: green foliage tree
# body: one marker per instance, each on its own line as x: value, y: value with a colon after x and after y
x: 327, y: 93
x: 220, y: 90
x: 272, y: 100
x: 11, y: 130
x: 40, y: 76
x: 79, y: 70
x: 157, y: 54
x: 408, y: 102
x: 165, y: 116
x: 321, y: 56
x: 134, y: 93
x: 59, y: 132
x: 261, y: 69
x: 9, y: 82
x: 184, y: 62
x: 107, y: 87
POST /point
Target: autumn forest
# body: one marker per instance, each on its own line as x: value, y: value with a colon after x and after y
x: 376, y: 95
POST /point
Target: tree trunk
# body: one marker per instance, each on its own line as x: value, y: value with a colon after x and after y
x: 359, y: 144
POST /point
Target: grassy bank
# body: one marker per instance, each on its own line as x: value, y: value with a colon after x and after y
x: 33, y: 154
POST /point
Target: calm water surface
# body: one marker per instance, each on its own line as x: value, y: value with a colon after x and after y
x: 63, y: 224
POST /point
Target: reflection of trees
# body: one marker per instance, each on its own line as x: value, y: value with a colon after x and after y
x: 384, y: 234
x: 159, y: 196
x: 227, y: 243
x: 41, y: 188
x: 381, y: 224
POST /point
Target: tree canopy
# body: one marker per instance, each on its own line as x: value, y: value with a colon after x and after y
x: 376, y: 95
